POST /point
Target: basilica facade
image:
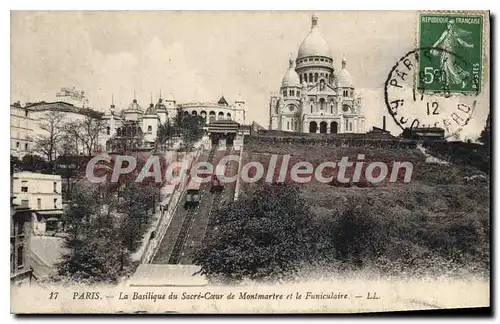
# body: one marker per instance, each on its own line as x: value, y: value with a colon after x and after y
x: 313, y: 97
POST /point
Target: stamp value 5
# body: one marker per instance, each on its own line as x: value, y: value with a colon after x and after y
x: 451, y: 53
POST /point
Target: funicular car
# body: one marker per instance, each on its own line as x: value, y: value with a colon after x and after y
x: 217, y: 177
x: 192, y: 194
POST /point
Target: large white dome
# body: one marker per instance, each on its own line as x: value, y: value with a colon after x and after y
x: 291, y: 78
x: 314, y: 44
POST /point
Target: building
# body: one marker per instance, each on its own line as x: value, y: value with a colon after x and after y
x: 221, y: 110
x: 69, y: 113
x: 313, y: 97
x: 41, y: 193
x: 21, y: 130
x: 29, y: 123
x: 141, y: 125
x: 424, y: 133
x: 20, y: 234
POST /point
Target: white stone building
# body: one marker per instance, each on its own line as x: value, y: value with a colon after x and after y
x: 313, y: 97
x: 41, y: 193
x: 21, y: 130
x: 148, y: 120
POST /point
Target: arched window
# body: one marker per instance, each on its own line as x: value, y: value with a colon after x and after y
x: 323, y: 127
x: 334, y: 127
x: 350, y: 126
x: 194, y: 113
x: 322, y: 104
x: 108, y: 130
x: 300, y: 76
x: 316, y: 77
x: 220, y: 115
x: 288, y: 125
x: 228, y: 115
x: 305, y: 77
x: 310, y: 77
x: 150, y: 129
x: 284, y: 93
x: 331, y: 108
x: 313, y: 127
x: 298, y: 93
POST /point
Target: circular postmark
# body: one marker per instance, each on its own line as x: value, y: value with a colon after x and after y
x: 429, y: 96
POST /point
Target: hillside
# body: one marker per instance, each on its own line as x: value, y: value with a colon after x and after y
x: 439, y: 220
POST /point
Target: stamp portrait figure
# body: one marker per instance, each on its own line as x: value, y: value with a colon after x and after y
x: 449, y: 40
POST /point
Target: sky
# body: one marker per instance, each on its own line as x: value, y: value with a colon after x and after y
x: 199, y: 56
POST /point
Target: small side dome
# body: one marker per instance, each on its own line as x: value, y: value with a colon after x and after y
x: 134, y: 106
x: 160, y: 105
x: 344, y: 78
x: 291, y: 78
x: 151, y: 110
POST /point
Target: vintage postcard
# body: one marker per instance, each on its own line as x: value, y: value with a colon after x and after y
x: 249, y: 162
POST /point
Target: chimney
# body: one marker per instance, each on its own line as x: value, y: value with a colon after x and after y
x: 383, y: 122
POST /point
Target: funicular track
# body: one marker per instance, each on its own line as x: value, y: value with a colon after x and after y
x: 216, y: 203
x: 210, y: 202
x: 181, y: 238
x: 197, y: 222
x: 175, y: 256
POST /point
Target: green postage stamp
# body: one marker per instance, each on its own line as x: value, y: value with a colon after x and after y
x: 450, y: 53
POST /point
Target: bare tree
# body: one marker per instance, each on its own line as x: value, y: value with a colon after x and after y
x: 87, y: 132
x: 48, y: 144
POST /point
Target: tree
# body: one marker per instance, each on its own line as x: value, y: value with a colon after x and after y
x: 48, y: 143
x: 106, y: 223
x: 135, y: 207
x: 87, y: 132
x: 95, y: 253
x: 15, y: 164
x: 68, y: 166
x: 263, y: 236
x: 485, y: 134
x: 34, y: 163
x: 69, y: 144
x: 189, y: 127
x: 164, y: 134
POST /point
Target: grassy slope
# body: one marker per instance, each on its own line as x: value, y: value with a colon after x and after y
x: 435, y: 221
